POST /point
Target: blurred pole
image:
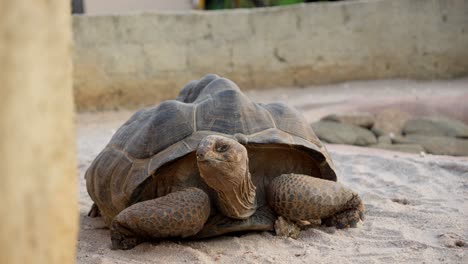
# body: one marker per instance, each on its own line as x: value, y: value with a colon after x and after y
x: 38, y: 190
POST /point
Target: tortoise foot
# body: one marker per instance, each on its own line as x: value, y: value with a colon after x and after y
x: 120, y: 241
x: 349, y: 217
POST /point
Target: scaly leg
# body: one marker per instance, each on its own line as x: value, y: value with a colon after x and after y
x: 302, y: 197
x: 178, y: 214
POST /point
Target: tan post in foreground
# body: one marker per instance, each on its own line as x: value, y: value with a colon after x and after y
x: 38, y: 191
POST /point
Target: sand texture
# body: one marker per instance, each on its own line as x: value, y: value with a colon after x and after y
x: 417, y: 205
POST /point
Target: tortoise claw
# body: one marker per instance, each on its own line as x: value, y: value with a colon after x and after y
x: 120, y: 242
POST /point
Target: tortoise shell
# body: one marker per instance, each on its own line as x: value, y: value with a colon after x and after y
x: 160, y: 135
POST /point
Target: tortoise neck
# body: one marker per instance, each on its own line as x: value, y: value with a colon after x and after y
x: 238, y: 200
x: 230, y: 179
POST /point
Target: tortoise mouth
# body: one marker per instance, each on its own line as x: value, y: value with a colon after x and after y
x: 207, y: 160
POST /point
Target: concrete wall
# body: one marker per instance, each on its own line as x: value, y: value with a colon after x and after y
x: 38, y: 189
x: 133, y: 6
x: 136, y: 60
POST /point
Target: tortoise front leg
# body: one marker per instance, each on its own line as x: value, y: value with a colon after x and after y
x: 178, y: 214
x: 301, y: 197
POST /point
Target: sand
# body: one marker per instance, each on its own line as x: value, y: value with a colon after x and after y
x: 417, y: 205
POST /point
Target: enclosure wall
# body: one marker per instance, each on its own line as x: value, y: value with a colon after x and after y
x: 136, y: 60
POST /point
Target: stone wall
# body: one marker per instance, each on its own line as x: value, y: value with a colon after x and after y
x: 136, y: 60
x: 38, y: 188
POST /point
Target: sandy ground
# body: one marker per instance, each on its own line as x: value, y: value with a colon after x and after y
x: 417, y: 205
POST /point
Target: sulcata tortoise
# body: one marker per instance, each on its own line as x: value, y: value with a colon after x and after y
x: 213, y: 162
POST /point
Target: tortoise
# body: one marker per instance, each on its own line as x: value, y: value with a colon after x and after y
x: 212, y: 162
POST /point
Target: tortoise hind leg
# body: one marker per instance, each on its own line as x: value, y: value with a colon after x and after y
x: 301, y: 197
x: 94, y: 211
x: 178, y: 214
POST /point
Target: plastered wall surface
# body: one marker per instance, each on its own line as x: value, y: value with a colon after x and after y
x: 137, y: 60
x: 38, y: 189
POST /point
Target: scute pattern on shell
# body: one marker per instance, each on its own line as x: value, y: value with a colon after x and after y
x: 155, y: 129
x: 230, y: 112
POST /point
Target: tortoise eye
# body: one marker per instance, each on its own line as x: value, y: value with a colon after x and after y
x: 222, y: 147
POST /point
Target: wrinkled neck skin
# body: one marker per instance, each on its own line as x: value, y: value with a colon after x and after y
x: 235, y: 189
x: 238, y: 201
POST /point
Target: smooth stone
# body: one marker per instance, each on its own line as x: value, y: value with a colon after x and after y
x: 409, y: 148
x: 386, y: 139
x: 436, y: 126
x: 441, y: 145
x: 397, y: 139
x: 339, y: 133
x: 358, y: 119
x: 377, y: 132
x: 390, y: 121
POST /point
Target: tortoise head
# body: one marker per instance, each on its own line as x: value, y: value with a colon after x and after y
x: 224, y: 166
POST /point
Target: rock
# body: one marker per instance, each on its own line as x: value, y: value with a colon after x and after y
x: 340, y: 133
x: 390, y: 121
x: 402, y: 201
x: 408, y: 148
x: 398, y: 139
x: 357, y: 119
x: 386, y: 139
x: 286, y: 228
x: 452, y: 240
x: 377, y: 132
x: 441, y: 145
x: 436, y: 126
